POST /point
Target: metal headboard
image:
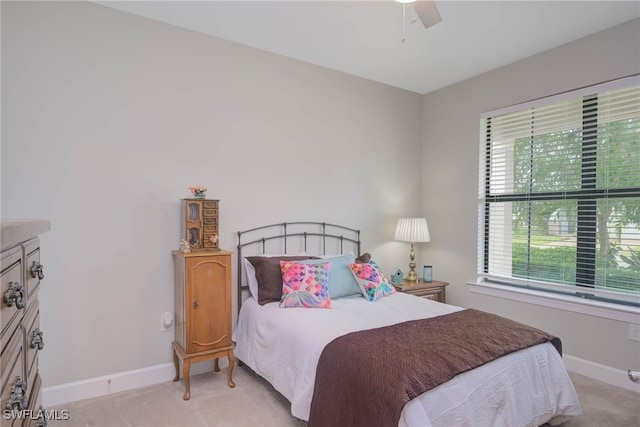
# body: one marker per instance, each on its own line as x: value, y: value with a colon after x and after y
x: 278, y: 233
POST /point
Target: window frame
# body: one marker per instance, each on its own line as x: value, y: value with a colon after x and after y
x: 586, y: 198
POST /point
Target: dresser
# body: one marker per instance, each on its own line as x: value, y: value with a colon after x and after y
x: 21, y: 337
x: 202, y: 311
x: 434, y: 290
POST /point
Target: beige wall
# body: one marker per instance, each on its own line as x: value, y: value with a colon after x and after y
x: 107, y: 118
x: 451, y: 125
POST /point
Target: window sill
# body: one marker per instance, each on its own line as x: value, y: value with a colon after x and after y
x: 563, y: 302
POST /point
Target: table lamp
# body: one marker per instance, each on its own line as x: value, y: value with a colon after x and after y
x: 412, y: 230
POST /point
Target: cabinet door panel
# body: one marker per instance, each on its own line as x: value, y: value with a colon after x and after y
x: 208, y: 303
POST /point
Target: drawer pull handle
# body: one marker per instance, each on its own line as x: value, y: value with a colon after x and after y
x: 36, y: 270
x: 18, y: 397
x: 36, y: 339
x: 42, y: 420
x: 14, y: 295
x: 196, y: 305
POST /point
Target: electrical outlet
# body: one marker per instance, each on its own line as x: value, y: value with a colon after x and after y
x: 166, y: 322
x: 634, y: 332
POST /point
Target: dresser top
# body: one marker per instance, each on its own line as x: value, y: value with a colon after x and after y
x: 15, y: 231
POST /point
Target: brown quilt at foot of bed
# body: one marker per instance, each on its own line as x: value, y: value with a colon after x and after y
x: 365, y: 378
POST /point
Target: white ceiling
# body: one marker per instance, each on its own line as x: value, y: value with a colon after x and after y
x: 363, y: 38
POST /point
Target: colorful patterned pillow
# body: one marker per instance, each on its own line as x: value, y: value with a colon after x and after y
x: 341, y: 281
x: 305, y: 285
x: 269, y: 276
x: 372, y: 282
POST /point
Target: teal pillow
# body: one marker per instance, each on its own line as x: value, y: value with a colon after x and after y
x: 342, y: 284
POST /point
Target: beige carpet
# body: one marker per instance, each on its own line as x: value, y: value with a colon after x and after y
x: 253, y: 402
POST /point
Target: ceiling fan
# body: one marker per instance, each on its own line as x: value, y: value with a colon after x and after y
x: 426, y: 11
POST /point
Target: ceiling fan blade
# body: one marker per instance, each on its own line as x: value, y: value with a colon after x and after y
x: 427, y: 12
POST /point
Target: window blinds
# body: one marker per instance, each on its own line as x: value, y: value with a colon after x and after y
x: 559, y: 193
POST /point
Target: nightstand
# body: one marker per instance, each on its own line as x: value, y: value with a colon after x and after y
x: 434, y: 290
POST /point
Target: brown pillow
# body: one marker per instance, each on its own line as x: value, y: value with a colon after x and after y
x: 269, y: 276
x: 364, y: 258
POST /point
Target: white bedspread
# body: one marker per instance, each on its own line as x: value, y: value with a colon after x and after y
x: 529, y: 387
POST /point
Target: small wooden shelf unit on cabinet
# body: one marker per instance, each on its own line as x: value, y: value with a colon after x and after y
x: 202, y: 311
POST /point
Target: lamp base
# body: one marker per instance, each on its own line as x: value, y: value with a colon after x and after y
x: 411, y: 277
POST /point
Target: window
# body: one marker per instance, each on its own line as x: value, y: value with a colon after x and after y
x: 559, y: 199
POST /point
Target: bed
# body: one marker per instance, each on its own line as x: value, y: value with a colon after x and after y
x: 289, y: 346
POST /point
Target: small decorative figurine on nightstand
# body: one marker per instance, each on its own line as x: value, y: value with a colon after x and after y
x: 397, y: 277
x: 184, y: 246
x: 214, y: 239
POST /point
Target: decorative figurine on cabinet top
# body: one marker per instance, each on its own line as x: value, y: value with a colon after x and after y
x: 184, y: 246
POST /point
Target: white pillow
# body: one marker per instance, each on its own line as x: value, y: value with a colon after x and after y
x: 251, y: 279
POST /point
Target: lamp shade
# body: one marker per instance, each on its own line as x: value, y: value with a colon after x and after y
x: 412, y: 230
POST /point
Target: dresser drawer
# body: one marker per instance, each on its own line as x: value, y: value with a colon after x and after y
x: 33, y: 340
x: 13, y: 296
x: 434, y: 290
x: 210, y: 229
x: 207, y: 243
x: 13, y: 379
x: 210, y: 204
x: 32, y: 255
x: 432, y: 295
x: 211, y: 213
x: 37, y: 415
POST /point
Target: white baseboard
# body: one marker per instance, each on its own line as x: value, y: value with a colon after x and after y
x: 108, y: 384
x: 603, y: 373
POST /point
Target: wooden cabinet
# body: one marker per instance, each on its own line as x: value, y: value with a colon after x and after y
x: 202, y: 311
x: 20, y: 336
x: 431, y: 290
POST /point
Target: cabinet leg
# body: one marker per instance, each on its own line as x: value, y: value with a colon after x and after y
x: 216, y: 367
x: 177, y: 365
x: 231, y: 363
x: 186, y: 365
